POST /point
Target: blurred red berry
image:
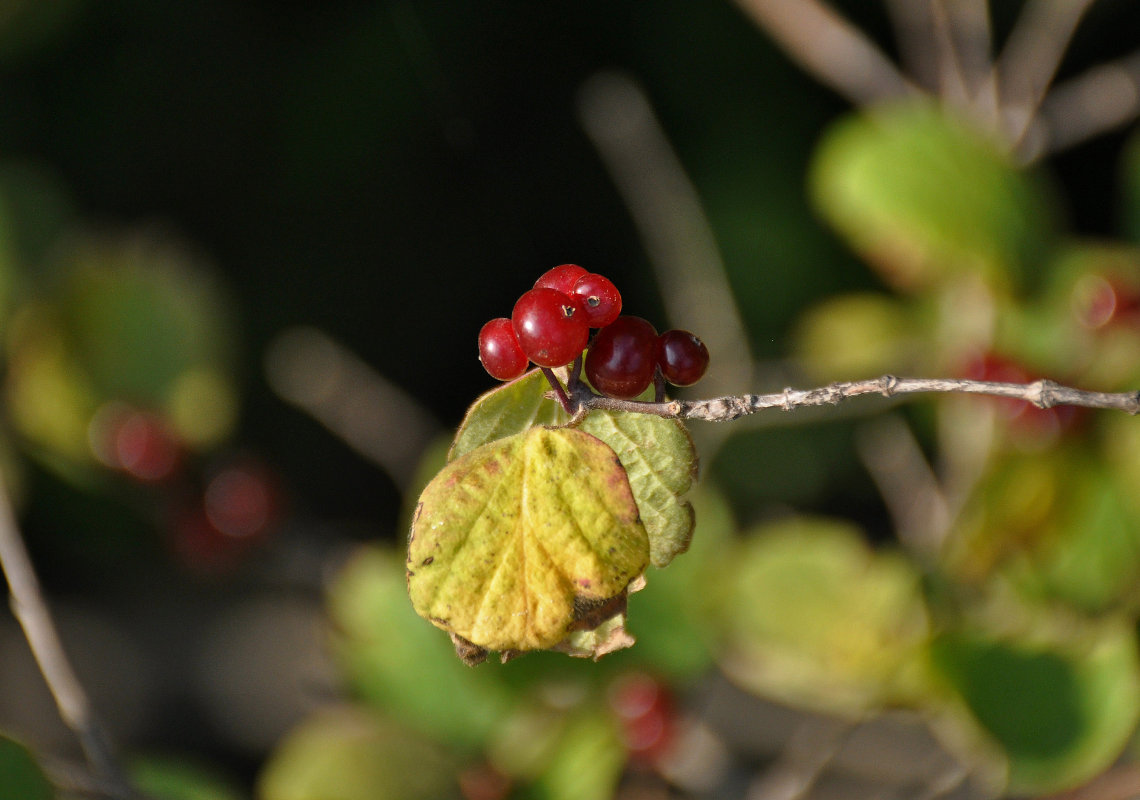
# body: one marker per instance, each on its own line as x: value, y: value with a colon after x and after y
x: 645, y: 709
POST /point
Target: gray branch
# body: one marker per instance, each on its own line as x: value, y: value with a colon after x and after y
x: 31, y: 611
x: 1042, y: 393
x: 830, y: 48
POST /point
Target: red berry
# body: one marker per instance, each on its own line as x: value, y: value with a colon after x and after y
x: 499, y: 350
x: 551, y: 330
x: 561, y: 278
x: 140, y: 443
x: 645, y: 709
x: 599, y: 299
x: 621, y: 361
x: 683, y: 357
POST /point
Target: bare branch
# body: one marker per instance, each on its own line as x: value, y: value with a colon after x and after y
x: 1042, y: 393
x: 1031, y: 58
x: 909, y: 487
x: 32, y: 613
x: 375, y: 417
x: 830, y: 48
x: 620, y: 121
x: 913, y: 22
x: 951, y: 81
x: 1099, y: 100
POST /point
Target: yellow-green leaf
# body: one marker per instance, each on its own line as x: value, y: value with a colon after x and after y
x: 518, y: 540
x: 815, y: 617
x: 661, y: 462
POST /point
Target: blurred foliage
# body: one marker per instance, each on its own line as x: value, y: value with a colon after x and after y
x: 23, y: 778
x: 391, y: 171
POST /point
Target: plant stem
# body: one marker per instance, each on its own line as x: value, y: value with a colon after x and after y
x: 560, y: 392
x: 31, y: 612
x: 1042, y: 393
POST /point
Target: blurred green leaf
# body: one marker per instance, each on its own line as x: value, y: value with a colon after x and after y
x: 587, y: 761
x: 517, y: 540
x: 167, y: 778
x: 1060, y: 713
x: 922, y: 197
x: 856, y: 336
x: 21, y: 777
x: 350, y: 754
x: 140, y: 314
x: 661, y: 464
x: 132, y: 321
x: 673, y: 615
x: 815, y: 617
x: 506, y: 410
x: 1059, y: 524
x: 403, y: 666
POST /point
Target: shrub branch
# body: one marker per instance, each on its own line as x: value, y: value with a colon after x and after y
x: 1042, y: 393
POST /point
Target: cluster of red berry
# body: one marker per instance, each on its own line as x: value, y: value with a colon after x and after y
x: 550, y: 326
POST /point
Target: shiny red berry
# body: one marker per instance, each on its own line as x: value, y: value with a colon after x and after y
x: 551, y: 329
x: 683, y: 357
x: 499, y: 350
x: 620, y: 362
x: 561, y: 278
x: 599, y: 299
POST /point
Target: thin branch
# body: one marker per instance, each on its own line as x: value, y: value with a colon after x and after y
x: 620, y: 121
x: 1031, y: 58
x: 952, y: 85
x: 971, y: 43
x: 1099, y: 100
x: 909, y: 487
x: 378, y: 419
x: 830, y: 48
x: 1042, y: 393
x: 32, y: 613
x: 914, y: 34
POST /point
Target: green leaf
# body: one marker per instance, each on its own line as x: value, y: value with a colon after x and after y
x: 1061, y: 713
x: 661, y: 463
x: 21, y: 777
x: 855, y: 335
x: 402, y: 666
x: 923, y: 197
x: 1061, y: 525
x: 673, y: 611
x: 165, y: 778
x: 588, y: 760
x: 816, y: 617
x: 349, y: 754
x: 506, y: 410
x: 515, y: 542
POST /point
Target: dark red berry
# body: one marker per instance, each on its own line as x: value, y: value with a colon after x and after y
x: 683, y: 357
x: 599, y: 299
x: 561, y: 278
x: 620, y: 362
x: 499, y: 350
x: 550, y: 328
